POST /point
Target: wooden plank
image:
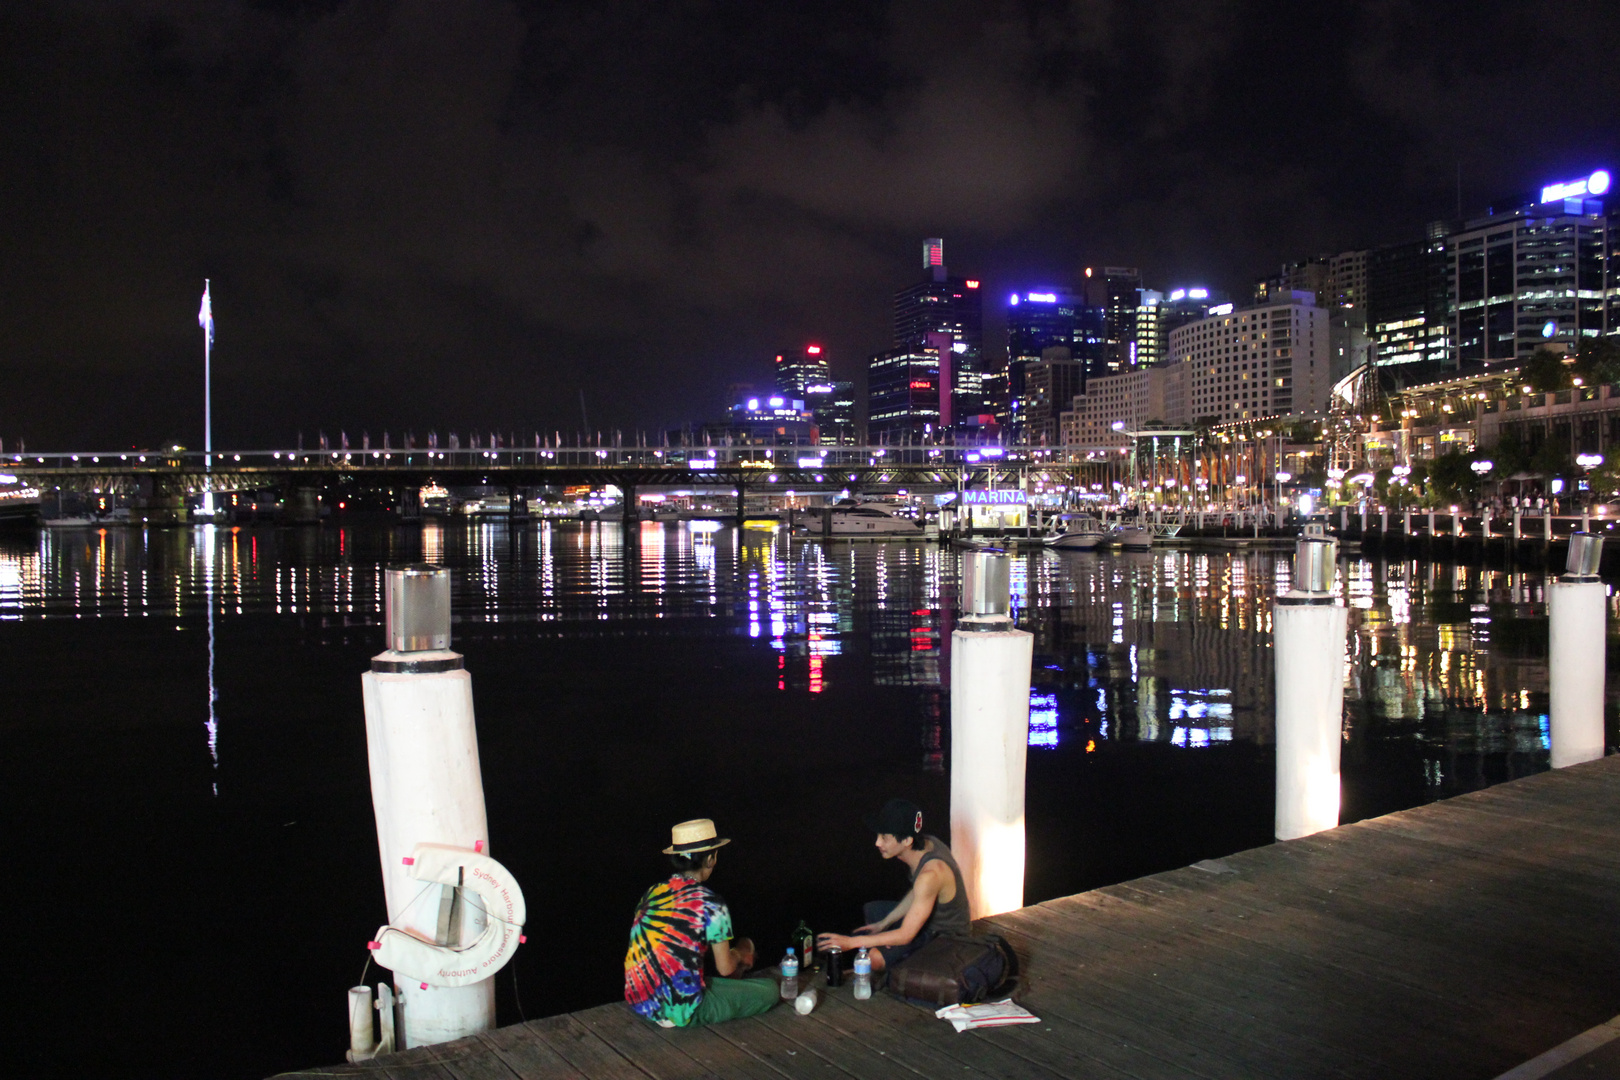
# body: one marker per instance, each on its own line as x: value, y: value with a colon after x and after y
x: 641, y: 1042
x: 527, y: 1055
x: 577, y: 1044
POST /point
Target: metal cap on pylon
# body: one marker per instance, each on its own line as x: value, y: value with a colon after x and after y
x: 1585, y: 553
x: 417, y: 607
x: 986, y: 591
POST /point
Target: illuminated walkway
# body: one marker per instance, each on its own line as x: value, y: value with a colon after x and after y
x: 1456, y: 940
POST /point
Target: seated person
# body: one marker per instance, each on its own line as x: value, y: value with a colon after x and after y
x: 937, y: 903
x: 676, y: 923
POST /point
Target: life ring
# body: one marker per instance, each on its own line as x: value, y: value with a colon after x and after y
x: 404, y: 953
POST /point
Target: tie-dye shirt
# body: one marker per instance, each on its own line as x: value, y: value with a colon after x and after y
x: 676, y: 922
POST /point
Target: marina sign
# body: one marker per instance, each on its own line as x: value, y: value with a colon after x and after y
x: 994, y: 497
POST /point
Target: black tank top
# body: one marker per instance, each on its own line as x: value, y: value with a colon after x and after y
x: 952, y: 917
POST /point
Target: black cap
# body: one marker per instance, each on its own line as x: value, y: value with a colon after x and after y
x: 899, y: 818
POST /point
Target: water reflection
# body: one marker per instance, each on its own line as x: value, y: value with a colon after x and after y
x: 1170, y: 647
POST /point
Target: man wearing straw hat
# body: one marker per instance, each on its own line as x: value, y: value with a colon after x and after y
x: 676, y: 923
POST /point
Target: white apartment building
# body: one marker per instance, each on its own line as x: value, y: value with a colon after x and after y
x: 1131, y: 400
x: 1273, y: 359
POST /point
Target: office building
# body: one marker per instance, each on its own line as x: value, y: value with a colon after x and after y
x: 1118, y: 291
x: 1408, y: 309
x: 941, y: 304
x: 1037, y: 320
x: 902, y: 396
x: 1535, y: 275
x: 1162, y: 312
x: 1267, y: 360
x: 1051, y: 385
x: 1334, y: 280
x: 833, y: 407
x: 799, y: 369
x: 768, y: 420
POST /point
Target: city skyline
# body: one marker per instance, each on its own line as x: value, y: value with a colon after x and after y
x: 418, y: 220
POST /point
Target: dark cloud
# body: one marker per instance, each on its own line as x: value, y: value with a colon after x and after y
x: 424, y: 214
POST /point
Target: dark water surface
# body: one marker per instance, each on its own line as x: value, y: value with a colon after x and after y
x: 217, y: 862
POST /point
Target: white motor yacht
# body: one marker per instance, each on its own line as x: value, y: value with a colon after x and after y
x: 871, y: 519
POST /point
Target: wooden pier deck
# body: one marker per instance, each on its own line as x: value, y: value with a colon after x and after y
x: 1457, y: 940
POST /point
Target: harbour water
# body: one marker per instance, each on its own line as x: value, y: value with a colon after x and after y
x: 185, y: 768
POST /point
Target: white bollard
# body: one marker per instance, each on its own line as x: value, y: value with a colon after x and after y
x: 1576, y: 623
x: 1363, y: 518
x: 1431, y: 523
x: 1546, y: 523
x: 1406, y: 524
x: 1518, y: 525
x: 1383, y: 521
x: 1485, y: 524
x: 362, y: 1026
x: 426, y: 787
x: 1308, y: 641
x: 990, y: 667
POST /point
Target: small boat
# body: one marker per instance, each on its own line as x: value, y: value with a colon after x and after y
x: 1076, y: 532
x: 70, y: 522
x: 1133, y: 537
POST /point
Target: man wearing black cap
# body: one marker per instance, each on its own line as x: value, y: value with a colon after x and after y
x: 936, y: 904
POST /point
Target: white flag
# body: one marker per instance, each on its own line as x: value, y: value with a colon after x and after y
x: 205, y: 316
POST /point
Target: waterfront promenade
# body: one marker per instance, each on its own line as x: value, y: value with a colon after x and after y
x: 1458, y: 939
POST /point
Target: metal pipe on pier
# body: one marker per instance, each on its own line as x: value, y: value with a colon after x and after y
x: 1576, y: 618
x: 1308, y: 641
x: 426, y: 788
x: 990, y: 675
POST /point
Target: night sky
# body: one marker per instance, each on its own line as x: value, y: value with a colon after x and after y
x: 441, y: 214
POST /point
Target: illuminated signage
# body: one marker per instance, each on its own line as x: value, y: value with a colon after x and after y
x: 701, y: 463
x: 810, y: 463
x: 814, y: 350
x: 1013, y: 300
x: 959, y: 347
x: 1179, y: 294
x: 1596, y: 184
x: 753, y: 404
x: 922, y: 384
x: 972, y: 284
x: 994, y: 497
x: 1198, y: 294
x: 1041, y: 297
x: 818, y: 389
x: 776, y: 403
x: 1221, y: 309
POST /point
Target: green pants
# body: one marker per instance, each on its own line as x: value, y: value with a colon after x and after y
x: 733, y: 999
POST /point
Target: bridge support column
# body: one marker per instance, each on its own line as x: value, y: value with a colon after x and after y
x: 628, y: 510
x: 1575, y: 664
x: 742, y: 504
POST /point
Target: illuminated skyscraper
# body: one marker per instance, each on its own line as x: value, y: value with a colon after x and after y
x: 1118, y: 290
x: 941, y: 304
x: 799, y: 369
x: 1037, y: 320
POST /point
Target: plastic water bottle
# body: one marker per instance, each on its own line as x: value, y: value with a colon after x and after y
x: 790, y: 976
x: 863, y: 976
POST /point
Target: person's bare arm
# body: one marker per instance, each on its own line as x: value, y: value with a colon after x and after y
x: 924, y: 892
x: 726, y: 962
x: 891, y: 918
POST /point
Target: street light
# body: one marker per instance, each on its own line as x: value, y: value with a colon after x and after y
x: 1482, y: 467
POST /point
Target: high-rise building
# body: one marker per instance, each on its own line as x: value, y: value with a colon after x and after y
x: 941, y: 304
x: 1037, y: 320
x: 1408, y: 310
x: 1161, y: 313
x: 1335, y: 280
x: 902, y: 396
x: 834, y: 412
x: 1535, y: 275
x: 1118, y: 291
x: 799, y: 369
x: 1270, y: 360
x: 1051, y: 384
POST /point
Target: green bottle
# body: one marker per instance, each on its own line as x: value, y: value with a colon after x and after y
x: 806, y: 941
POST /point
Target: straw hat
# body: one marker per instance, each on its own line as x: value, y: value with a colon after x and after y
x: 692, y: 836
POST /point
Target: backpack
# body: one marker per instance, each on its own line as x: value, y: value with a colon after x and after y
x: 956, y: 969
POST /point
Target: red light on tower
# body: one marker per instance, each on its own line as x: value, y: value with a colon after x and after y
x: 972, y: 284
x: 814, y: 350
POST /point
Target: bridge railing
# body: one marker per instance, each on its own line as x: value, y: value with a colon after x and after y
x: 696, y: 459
